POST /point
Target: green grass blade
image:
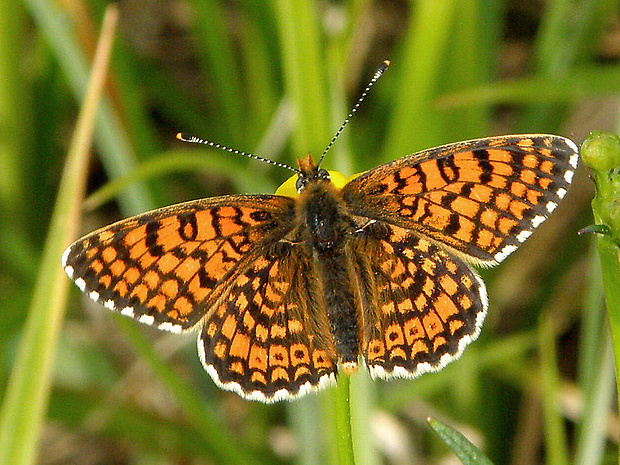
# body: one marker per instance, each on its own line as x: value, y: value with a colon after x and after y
x: 555, y: 432
x: 419, y: 73
x: 570, y: 31
x: 306, y: 422
x: 26, y: 398
x: 181, y: 161
x: 601, y: 153
x: 467, y: 453
x: 13, y: 110
x: 598, y: 403
x: 363, y: 407
x: 587, y: 82
x: 116, y: 152
x: 217, y: 60
x: 595, y: 370
x: 304, y: 74
x: 224, y: 447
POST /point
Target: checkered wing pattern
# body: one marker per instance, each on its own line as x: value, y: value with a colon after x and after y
x: 480, y: 198
x: 420, y: 305
x: 166, y: 267
x: 268, y: 338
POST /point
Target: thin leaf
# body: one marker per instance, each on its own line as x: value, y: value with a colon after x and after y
x: 467, y: 453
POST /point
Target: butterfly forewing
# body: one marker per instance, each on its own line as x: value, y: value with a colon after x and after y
x: 167, y: 266
x: 480, y: 198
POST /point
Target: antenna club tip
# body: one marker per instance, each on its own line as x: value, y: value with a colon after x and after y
x: 181, y: 136
x: 387, y: 63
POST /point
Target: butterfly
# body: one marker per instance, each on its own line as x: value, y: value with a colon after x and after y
x: 286, y: 291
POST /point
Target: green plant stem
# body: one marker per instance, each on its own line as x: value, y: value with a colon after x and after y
x: 610, y: 265
x: 223, y: 446
x: 117, y: 153
x: 342, y: 412
x: 302, y: 63
x: 14, y: 111
x: 601, y: 153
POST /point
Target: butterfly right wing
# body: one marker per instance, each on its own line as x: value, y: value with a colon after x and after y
x: 161, y: 267
x: 420, y: 305
x: 481, y: 198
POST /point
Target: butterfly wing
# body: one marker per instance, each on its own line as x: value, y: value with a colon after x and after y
x: 268, y: 338
x: 481, y: 198
x: 420, y: 305
x: 165, y: 267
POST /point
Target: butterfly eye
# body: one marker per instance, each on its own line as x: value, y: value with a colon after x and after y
x: 301, y: 183
x: 323, y: 174
x: 302, y: 180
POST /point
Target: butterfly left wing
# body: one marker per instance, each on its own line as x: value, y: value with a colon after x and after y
x: 420, y: 305
x: 162, y: 267
x: 481, y: 198
x: 268, y: 338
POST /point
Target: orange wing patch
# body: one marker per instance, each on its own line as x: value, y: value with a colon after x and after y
x: 163, y: 266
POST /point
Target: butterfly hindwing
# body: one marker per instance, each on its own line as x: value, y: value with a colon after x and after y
x: 420, y: 305
x: 268, y: 337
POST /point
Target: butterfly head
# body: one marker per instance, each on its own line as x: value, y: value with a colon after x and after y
x: 309, y: 172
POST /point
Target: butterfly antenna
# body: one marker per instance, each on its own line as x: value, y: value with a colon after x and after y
x: 374, y: 79
x: 197, y: 140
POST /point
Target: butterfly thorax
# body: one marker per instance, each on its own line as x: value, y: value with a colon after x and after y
x: 321, y: 212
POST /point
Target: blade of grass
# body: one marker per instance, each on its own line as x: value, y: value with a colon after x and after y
x: 127, y: 422
x: 595, y: 369
x: 601, y: 153
x: 470, y: 57
x: 180, y: 161
x: 116, y: 152
x: 363, y: 400
x: 467, y: 453
x: 299, y: 31
x: 219, y: 67
x: 224, y: 447
x: 555, y: 432
x: 610, y: 264
x: 418, y: 76
x: 304, y: 417
x: 570, y: 31
x: 598, y: 401
x: 25, y: 402
x: 586, y: 82
x: 260, y: 73
x: 14, y: 111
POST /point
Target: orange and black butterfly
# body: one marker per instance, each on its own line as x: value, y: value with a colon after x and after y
x: 288, y: 290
